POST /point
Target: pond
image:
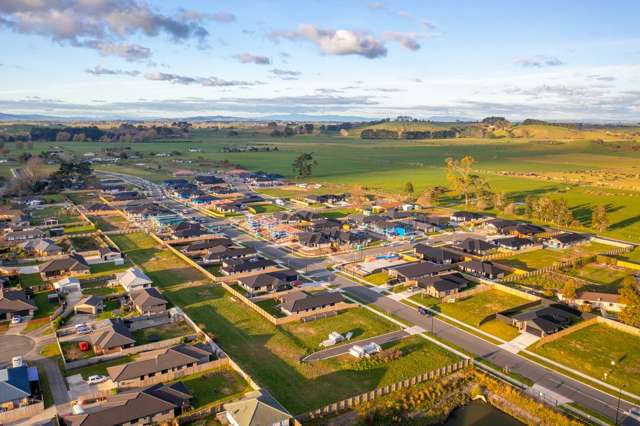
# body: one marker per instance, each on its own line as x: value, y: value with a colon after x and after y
x: 478, y: 413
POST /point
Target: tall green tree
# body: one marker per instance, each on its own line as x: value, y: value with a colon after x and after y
x: 630, y: 297
x: 408, y: 188
x: 463, y: 180
x: 303, y: 165
x: 599, y: 219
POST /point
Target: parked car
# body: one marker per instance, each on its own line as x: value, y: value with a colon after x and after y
x: 16, y: 319
x: 95, y: 379
x: 83, y: 330
x: 84, y: 346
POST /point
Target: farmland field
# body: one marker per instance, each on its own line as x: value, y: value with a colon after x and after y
x: 565, y: 168
x: 591, y: 350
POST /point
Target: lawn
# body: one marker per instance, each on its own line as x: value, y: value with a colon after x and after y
x: 45, y: 309
x: 85, y: 243
x: 215, y: 387
x: 63, y: 215
x: 108, y: 223
x: 108, y: 268
x: 475, y: 308
x: 271, y: 356
x: 379, y: 278
x: 265, y: 208
x: 99, y: 368
x: 591, y: 350
x: 337, y: 214
x: 163, y: 332
x: 270, y: 305
x: 537, y: 259
x: 424, y: 299
x: 72, y: 352
x: 360, y: 321
x: 80, y: 229
x: 500, y: 329
x: 606, y: 278
x: 28, y: 280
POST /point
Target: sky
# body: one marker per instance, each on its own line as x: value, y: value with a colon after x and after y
x: 573, y: 60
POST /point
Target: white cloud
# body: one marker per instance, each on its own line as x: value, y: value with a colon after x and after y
x: 539, y: 61
x: 203, y: 81
x: 336, y: 42
x: 98, y: 70
x: 248, y: 58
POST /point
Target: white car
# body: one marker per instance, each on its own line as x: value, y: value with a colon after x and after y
x: 83, y: 330
x: 16, y: 319
x: 95, y: 379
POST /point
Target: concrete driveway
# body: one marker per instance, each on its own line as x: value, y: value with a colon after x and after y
x: 520, y: 343
x: 12, y: 345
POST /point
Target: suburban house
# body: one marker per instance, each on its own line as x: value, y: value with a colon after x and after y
x: 200, y: 247
x: 463, y: 217
x: 112, y: 337
x: 41, y: 247
x: 221, y: 253
x: 67, y: 285
x: 19, y: 387
x: 187, y: 229
x: 441, y: 256
x: 257, y: 408
x: 125, y: 196
x: 100, y: 208
x: 14, y: 302
x: 269, y: 282
x: 415, y: 270
x: 109, y: 254
x: 132, y: 279
x: 484, y: 269
x: 545, y: 320
x: 500, y: 226
x: 240, y: 266
x: 148, y: 301
x: 91, y: 304
x: 566, y: 239
x: 27, y: 234
x: 605, y: 301
x: 68, y: 266
x: 171, y: 360
x: 145, y: 211
x: 443, y: 285
x: 316, y: 240
x: 476, y: 246
x: 301, y: 301
x: 157, y: 404
x: 206, y: 181
x: 515, y: 243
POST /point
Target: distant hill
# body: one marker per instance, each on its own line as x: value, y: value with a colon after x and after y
x: 27, y: 117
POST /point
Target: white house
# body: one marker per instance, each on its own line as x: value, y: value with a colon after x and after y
x: 132, y: 279
x: 67, y: 285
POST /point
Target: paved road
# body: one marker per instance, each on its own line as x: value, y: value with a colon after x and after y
x: 592, y: 398
x: 553, y: 381
x: 344, y: 348
x: 12, y: 345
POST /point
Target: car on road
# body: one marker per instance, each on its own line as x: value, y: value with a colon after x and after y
x: 423, y: 311
x: 16, y: 319
x: 95, y: 379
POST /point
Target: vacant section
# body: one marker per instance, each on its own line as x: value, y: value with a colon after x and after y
x: 591, y: 350
x: 475, y: 308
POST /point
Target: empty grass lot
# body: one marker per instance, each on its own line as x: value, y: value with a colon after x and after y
x: 537, y: 259
x: 271, y: 356
x: 266, y: 208
x: 215, y: 387
x: 475, y: 308
x: 163, y: 332
x: 360, y: 321
x: 605, y: 277
x: 591, y: 350
x: 379, y: 278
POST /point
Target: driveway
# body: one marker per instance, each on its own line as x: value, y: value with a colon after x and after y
x: 12, y: 345
x: 520, y: 343
x: 344, y: 348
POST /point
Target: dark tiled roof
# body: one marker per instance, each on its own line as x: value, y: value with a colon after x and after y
x: 474, y: 245
x: 114, y: 335
x: 443, y: 282
x: 14, y: 301
x: 437, y: 254
x: 73, y: 263
x: 420, y: 269
x: 570, y: 238
x: 301, y: 301
x: 484, y: 267
x: 147, y: 297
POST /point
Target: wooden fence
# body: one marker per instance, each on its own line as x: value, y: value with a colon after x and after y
x: 354, y: 401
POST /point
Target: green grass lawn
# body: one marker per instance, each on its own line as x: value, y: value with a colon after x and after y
x: 337, y: 214
x: 272, y: 306
x: 45, y: 309
x: 266, y: 208
x: 165, y: 331
x: 215, y: 387
x: 72, y: 352
x: 63, y: 215
x: 99, y: 368
x: 80, y: 229
x: 108, y: 223
x: 85, y: 243
x: 108, y: 268
x: 500, y: 329
x: 546, y: 257
x: 424, y: 299
x: 271, y: 356
x: 477, y: 307
x: 604, y: 277
x: 360, y: 321
x: 591, y: 350
x: 28, y: 280
x: 379, y: 278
